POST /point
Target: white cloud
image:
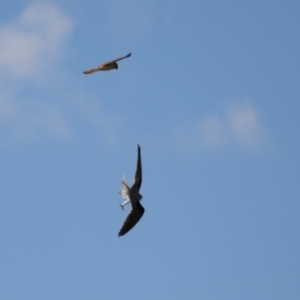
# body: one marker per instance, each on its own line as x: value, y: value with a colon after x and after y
x: 29, y: 109
x: 239, y: 125
x: 31, y: 44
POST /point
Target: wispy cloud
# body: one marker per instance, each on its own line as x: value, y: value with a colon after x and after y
x: 30, y: 49
x: 244, y: 123
x: 211, y: 130
x: 108, y: 124
x: 238, y: 125
x: 31, y: 119
x: 34, y: 41
x: 30, y: 46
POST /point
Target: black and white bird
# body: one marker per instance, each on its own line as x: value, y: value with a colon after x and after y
x: 109, y: 65
x: 133, y: 197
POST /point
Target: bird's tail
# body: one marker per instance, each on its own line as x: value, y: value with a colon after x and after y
x: 125, y: 189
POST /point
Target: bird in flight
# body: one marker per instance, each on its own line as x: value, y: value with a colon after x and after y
x: 133, y: 197
x: 109, y: 65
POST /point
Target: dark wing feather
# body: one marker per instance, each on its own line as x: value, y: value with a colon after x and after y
x: 133, y: 217
x: 138, y: 173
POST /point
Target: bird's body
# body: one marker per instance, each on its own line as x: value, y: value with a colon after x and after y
x: 109, y: 65
x: 133, y: 197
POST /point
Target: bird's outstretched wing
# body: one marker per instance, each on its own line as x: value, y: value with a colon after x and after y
x: 132, y: 219
x: 115, y: 60
x: 91, y: 71
x: 138, y: 173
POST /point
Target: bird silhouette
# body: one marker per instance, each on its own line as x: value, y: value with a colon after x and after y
x: 109, y: 65
x: 133, y: 197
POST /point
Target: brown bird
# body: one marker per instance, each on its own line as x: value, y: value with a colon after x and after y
x: 109, y: 65
x: 133, y: 196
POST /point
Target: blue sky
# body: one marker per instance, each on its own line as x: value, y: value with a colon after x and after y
x: 211, y: 93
